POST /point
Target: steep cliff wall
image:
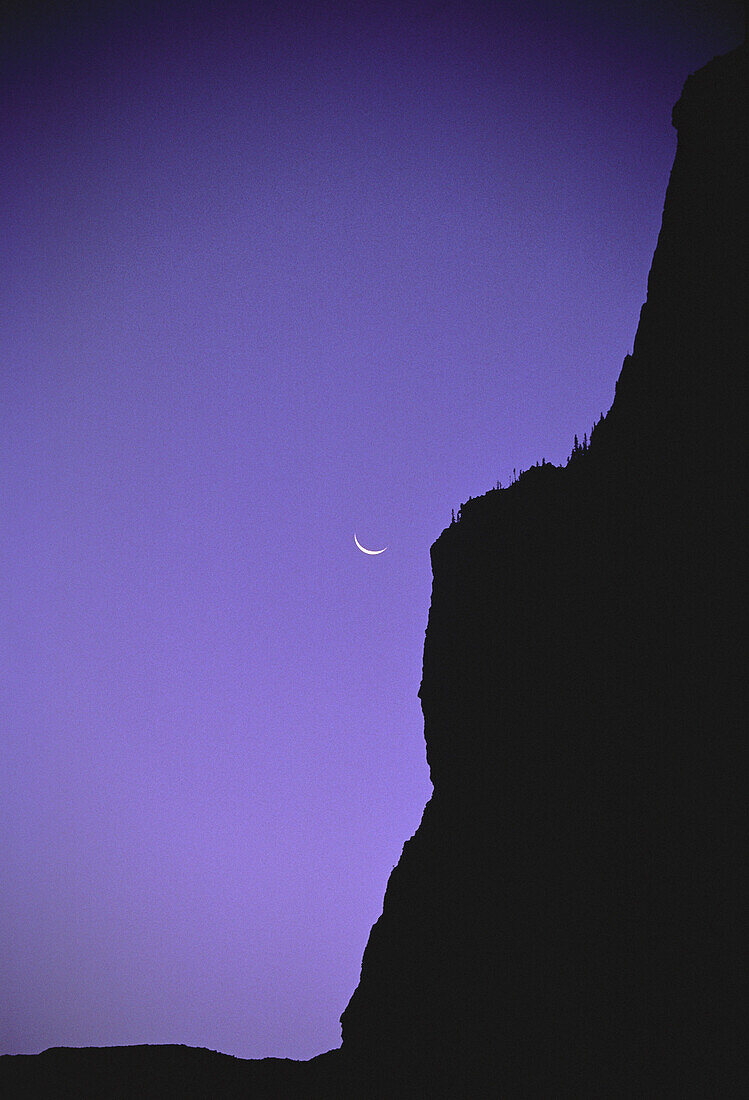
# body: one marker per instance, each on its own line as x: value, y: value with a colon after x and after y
x: 566, y: 919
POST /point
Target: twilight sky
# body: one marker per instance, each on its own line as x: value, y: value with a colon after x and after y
x: 269, y: 279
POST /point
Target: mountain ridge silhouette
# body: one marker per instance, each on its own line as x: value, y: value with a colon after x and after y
x: 566, y: 919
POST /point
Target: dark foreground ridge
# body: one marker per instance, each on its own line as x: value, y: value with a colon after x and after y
x: 567, y: 920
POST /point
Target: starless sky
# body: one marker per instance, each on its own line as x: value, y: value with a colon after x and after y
x: 269, y: 278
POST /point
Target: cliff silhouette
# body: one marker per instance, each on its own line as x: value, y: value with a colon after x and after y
x: 566, y: 921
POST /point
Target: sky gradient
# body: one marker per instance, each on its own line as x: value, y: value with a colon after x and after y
x: 269, y: 279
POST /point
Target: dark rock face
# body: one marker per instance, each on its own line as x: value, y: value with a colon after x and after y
x: 567, y: 920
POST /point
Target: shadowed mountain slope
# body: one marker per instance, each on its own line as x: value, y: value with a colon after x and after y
x: 566, y: 921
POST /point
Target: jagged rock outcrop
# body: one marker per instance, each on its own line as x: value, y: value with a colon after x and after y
x: 567, y: 920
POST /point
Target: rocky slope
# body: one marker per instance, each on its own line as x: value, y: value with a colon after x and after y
x: 567, y: 919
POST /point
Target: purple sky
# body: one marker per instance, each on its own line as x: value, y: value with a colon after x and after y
x: 268, y: 280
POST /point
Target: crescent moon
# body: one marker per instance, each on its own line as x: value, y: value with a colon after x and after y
x: 364, y: 549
